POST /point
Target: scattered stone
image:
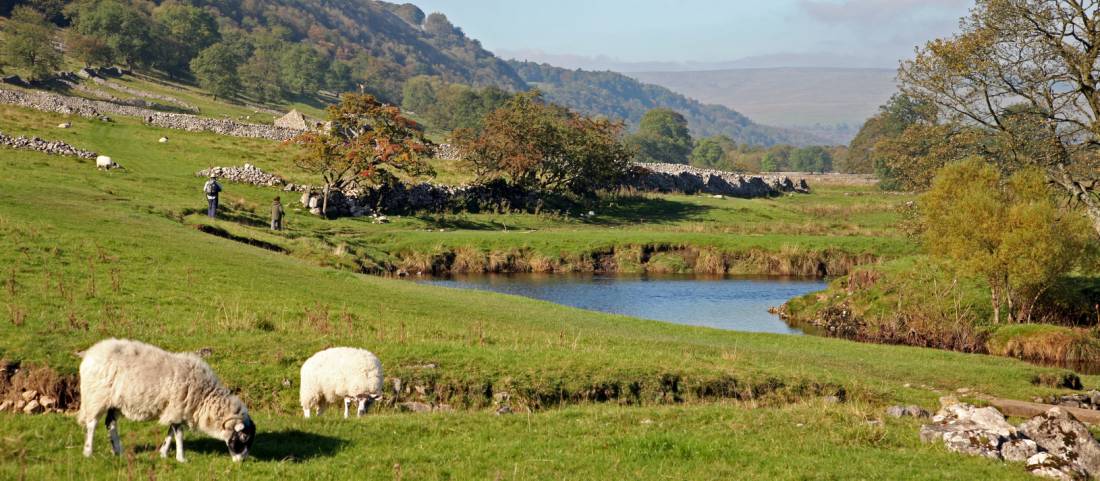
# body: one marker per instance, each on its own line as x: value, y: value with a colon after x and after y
x: 416, y: 407
x: 907, y: 411
x: 19, y: 405
x: 1059, y: 433
x: 28, y: 395
x: 64, y: 125
x: 6, y: 405
x: 163, y: 140
x: 831, y: 400
x: 1088, y: 400
x: 287, y: 382
x: 504, y: 410
x: 32, y: 407
x: 206, y: 352
x: 974, y: 443
x: 1019, y: 450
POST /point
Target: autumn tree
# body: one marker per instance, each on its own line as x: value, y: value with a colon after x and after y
x: 1034, y: 60
x: 892, y: 119
x: 540, y: 146
x: 1008, y: 232
x: 29, y: 43
x: 368, y: 143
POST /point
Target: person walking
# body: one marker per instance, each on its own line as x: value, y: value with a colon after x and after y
x: 212, y: 188
x: 277, y: 214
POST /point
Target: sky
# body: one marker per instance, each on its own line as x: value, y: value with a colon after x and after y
x: 673, y: 35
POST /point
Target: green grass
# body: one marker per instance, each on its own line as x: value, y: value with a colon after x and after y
x: 91, y: 254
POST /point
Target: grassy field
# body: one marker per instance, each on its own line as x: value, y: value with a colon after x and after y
x: 91, y: 254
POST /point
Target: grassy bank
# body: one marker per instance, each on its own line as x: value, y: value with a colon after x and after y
x: 97, y: 254
x: 917, y: 301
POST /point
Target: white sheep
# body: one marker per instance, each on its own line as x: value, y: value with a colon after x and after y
x: 143, y: 383
x: 340, y: 373
x: 105, y: 163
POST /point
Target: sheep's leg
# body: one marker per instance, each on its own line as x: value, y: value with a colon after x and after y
x: 362, y: 407
x: 112, y: 428
x: 347, y: 403
x: 306, y: 410
x: 167, y: 443
x: 178, y: 431
x: 89, y: 434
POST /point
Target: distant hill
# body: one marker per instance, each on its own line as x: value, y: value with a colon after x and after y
x: 827, y: 101
x: 617, y: 96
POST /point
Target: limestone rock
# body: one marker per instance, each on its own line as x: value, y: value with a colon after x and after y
x: 1059, y: 433
x: 32, y: 407
x: 1055, y: 467
x: 974, y: 442
x: 6, y: 405
x: 47, y: 402
x: 907, y: 411
x: 1019, y: 450
x: 64, y: 125
x: 28, y: 395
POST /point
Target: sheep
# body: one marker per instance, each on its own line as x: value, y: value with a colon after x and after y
x: 340, y: 373
x: 144, y: 382
x: 105, y: 163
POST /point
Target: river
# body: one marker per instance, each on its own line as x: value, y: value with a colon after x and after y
x: 733, y: 303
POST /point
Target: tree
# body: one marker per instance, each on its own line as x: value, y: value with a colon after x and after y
x: 216, y: 69
x: 777, y: 159
x: 663, y: 137
x: 303, y: 69
x: 539, y: 146
x: 892, y: 119
x: 811, y: 159
x: 708, y: 153
x: 29, y: 43
x: 122, y: 27
x: 1011, y: 234
x: 182, y: 32
x: 367, y: 142
x: 88, y: 49
x: 1038, y: 53
x: 261, y: 75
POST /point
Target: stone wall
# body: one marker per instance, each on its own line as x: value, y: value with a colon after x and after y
x: 248, y: 174
x: 446, y: 152
x: 679, y: 178
x: 54, y: 147
x: 98, y: 109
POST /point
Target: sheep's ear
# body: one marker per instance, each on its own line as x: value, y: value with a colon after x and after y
x: 239, y: 427
x: 376, y: 397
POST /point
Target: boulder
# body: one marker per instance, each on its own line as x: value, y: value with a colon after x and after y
x: 1055, y: 467
x: 6, y: 405
x: 907, y: 411
x: 32, y: 407
x: 974, y: 442
x: 47, y: 402
x: 1019, y: 450
x: 1059, y: 433
x: 29, y: 395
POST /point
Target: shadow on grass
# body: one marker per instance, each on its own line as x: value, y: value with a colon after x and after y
x: 631, y: 210
x: 280, y: 446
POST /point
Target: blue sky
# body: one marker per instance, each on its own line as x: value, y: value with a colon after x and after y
x: 826, y: 32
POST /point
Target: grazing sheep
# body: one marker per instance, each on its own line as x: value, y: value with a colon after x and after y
x: 105, y: 163
x: 143, y: 383
x: 340, y: 373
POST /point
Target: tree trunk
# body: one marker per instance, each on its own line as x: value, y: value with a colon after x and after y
x: 324, y: 202
x: 1079, y: 192
x: 996, y: 299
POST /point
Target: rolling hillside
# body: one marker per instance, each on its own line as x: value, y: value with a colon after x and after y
x: 830, y: 102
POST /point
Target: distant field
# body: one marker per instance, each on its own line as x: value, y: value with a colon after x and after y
x: 787, y: 97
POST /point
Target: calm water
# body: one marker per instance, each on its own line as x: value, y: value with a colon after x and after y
x: 734, y: 303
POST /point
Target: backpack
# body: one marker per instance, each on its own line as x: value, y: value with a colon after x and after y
x: 211, y: 187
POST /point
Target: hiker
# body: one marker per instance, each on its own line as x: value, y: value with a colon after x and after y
x: 277, y: 214
x: 212, y: 188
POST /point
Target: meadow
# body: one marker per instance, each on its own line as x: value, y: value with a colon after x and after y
x: 89, y: 254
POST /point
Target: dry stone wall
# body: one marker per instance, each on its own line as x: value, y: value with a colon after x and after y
x: 98, y: 109
x: 248, y: 174
x: 681, y: 178
x: 53, y: 147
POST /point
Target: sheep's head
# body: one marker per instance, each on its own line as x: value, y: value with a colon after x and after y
x: 365, y: 401
x: 240, y: 439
